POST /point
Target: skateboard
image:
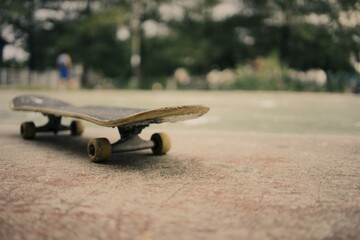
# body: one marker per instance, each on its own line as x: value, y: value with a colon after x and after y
x: 129, y: 121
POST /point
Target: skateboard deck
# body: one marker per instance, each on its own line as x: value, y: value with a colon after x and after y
x: 106, y: 116
x: 129, y: 121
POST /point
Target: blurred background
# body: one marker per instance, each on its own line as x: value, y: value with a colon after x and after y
x: 296, y: 45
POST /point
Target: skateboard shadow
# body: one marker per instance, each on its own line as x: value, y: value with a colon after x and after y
x: 142, y: 161
x: 75, y: 146
x: 149, y: 165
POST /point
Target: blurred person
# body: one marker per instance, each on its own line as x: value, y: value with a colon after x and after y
x: 64, y: 64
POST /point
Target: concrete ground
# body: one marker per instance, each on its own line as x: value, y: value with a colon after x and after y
x: 257, y: 166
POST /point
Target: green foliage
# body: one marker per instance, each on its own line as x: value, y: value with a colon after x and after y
x: 261, y: 74
x: 197, y: 43
x: 270, y: 74
x: 91, y: 40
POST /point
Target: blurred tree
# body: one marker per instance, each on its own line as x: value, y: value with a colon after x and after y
x: 18, y: 16
x: 3, y: 43
x: 100, y: 50
x: 308, y: 34
x: 192, y: 40
x: 46, y: 27
x: 31, y: 23
x: 140, y: 11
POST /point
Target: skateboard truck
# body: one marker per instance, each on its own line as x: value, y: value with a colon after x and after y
x: 28, y: 130
x: 100, y: 149
x: 130, y: 140
x: 53, y: 125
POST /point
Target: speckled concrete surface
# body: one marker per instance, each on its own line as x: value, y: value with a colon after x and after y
x: 214, y: 184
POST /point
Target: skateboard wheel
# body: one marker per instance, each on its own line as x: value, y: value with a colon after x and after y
x: 99, y: 149
x: 162, y: 143
x: 76, y: 128
x: 28, y: 130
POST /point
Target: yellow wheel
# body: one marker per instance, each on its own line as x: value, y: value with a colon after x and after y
x: 28, y: 130
x: 99, y: 149
x: 162, y: 143
x: 76, y: 128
